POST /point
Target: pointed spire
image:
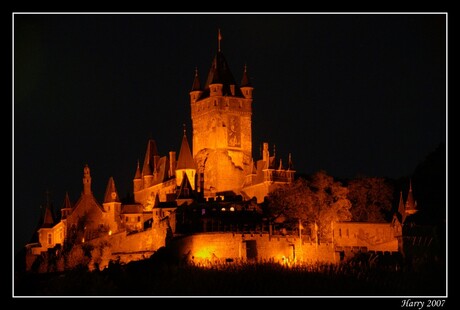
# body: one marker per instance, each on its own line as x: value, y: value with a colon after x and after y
x: 196, y: 81
x: 138, y: 174
x: 185, y: 160
x: 245, y: 79
x: 410, y: 202
x: 48, y: 218
x: 111, y: 194
x: 66, y: 204
x: 149, y: 160
x: 401, y: 208
x: 280, y: 167
x: 290, y: 164
x: 219, y: 38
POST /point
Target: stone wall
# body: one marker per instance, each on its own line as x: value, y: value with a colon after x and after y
x: 225, y: 247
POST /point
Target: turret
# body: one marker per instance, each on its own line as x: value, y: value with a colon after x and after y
x: 196, y: 91
x: 137, y: 181
x: 112, y: 206
x: 246, y: 87
x: 185, y: 164
x: 86, y: 181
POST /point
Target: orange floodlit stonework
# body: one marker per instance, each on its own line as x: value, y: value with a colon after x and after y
x: 204, y: 203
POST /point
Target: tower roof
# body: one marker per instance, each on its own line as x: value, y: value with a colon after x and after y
x: 138, y: 172
x: 111, y: 194
x: 220, y: 73
x: 196, y: 81
x: 401, y: 208
x: 185, y: 160
x: 48, y: 218
x: 410, y: 202
x: 66, y: 204
x: 150, y: 153
x: 245, y: 79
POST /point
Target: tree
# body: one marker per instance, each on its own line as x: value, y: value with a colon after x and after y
x: 317, y: 201
x: 370, y: 198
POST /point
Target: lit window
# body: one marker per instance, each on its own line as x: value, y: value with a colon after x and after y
x: 223, y: 209
x: 232, y: 209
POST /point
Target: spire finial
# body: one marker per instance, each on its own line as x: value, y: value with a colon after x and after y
x: 410, y: 185
x: 196, y: 71
x: 245, y: 68
x: 183, y: 125
x: 219, y: 38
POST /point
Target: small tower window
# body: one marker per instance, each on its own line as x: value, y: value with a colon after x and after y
x: 49, y: 239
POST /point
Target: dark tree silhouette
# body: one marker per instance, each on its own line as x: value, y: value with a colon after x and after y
x: 371, y: 199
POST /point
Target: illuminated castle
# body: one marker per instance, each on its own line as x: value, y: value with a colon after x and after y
x: 202, y: 204
x: 221, y: 164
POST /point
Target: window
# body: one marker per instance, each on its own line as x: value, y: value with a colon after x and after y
x: 138, y: 218
x: 340, y: 232
x: 126, y: 219
x: 348, y: 233
x: 108, y: 208
x: 49, y: 239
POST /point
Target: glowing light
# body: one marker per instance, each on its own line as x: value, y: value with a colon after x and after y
x: 110, y: 232
x: 83, y: 240
x: 223, y: 209
x: 232, y: 209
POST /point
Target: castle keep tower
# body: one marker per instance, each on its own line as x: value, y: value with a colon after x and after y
x: 221, y: 113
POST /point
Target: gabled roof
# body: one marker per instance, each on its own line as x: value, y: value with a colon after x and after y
x: 87, y: 202
x: 111, y: 194
x: 185, y: 160
x: 132, y: 208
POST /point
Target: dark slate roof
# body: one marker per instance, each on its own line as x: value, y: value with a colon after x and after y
x: 150, y: 153
x: 220, y: 73
x: 132, y: 208
x: 109, y: 190
x: 182, y: 194
x: 66, y: 204
x: 138, y: 172
x: 162, y: 170
x: 185, y: 160
x: 196, y: 82
x: 410, y: 202
x: 48, y: 220
x: 245, y: 82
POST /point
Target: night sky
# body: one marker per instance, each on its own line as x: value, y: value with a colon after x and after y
x: 352, y: 94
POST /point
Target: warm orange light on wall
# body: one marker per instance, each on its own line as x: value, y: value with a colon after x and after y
x: 110, y: 232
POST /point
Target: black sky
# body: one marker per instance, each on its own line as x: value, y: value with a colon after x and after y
x: 347, y: 93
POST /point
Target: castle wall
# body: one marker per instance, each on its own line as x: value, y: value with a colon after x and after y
x: 371, y: 236
x: 224, y: 247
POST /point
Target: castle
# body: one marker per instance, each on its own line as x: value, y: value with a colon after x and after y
x: 203, y: 203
